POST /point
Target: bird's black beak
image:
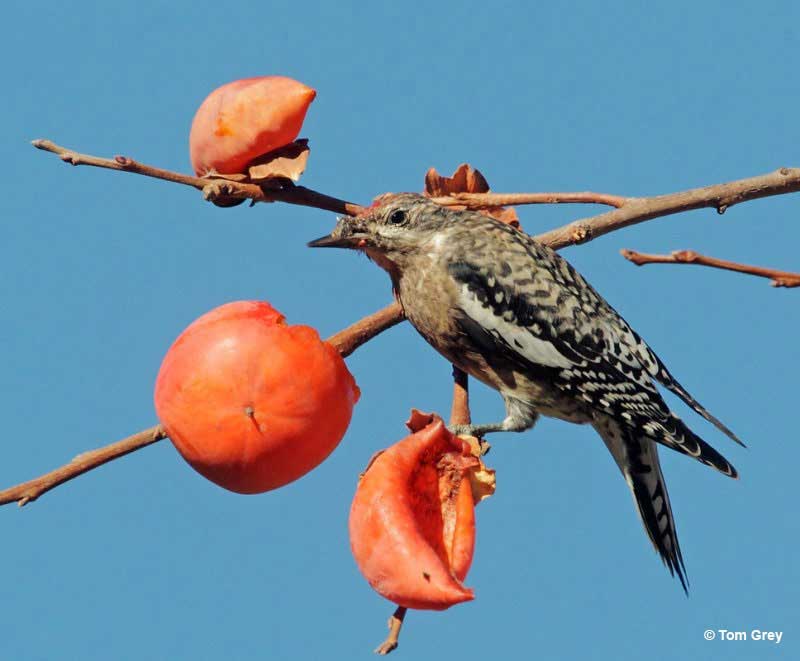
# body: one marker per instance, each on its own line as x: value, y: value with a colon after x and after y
x: 346, y: 234
x: 331, y: 241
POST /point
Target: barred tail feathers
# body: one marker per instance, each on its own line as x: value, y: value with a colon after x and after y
x: 637, y: 457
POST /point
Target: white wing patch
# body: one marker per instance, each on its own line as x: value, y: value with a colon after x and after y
x: 521, y: 340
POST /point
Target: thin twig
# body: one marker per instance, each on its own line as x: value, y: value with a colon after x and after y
x: 345, y: 341
x: 212, y: 188
x: 395, y: 624
x: 638, y: 209
x: 487, y: 200
x: 31, y: 490
x: 779, y: 278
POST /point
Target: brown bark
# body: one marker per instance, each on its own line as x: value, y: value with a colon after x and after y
x: 486, y: 200
x: 779, y: 278
x: 638, y: 209
x: 31, y: 490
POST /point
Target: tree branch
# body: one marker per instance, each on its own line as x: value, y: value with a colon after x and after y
x: 214, y: 189
x: 488, y: 200
x: 629, y: 211
x: 459, y: 411
x: 345, y: 341
x: 352, y: 337
x: 31, y: 490
x: 638, y: 209
x: 779, y: 278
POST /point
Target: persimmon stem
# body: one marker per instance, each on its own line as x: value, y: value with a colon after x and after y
x: 392, y: 640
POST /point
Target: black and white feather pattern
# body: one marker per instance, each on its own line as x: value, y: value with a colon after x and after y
x: 637, y: 458
x: 617, y: 337
x: 549, y: 317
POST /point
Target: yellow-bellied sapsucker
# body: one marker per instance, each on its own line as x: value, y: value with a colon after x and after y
x: 512, y: 313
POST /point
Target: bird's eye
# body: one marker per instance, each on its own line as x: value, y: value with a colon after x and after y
x: 397, y: 217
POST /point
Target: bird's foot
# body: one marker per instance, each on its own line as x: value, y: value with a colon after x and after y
x: 480, y: 446
x: 478, y: 431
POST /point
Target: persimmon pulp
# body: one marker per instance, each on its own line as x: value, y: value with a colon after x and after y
x: 441, y: 502
x: 412, y: 521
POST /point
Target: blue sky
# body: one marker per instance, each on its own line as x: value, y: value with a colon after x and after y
x: 145, y: 559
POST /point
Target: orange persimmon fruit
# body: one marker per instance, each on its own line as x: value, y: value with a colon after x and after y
x: 251, y: 402
x: 245, y: 119
x: 412, y: 521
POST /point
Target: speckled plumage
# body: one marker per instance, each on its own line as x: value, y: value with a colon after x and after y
x: 514, y: 314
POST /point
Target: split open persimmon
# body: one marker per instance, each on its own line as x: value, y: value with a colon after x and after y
x: 251, y: 402
x: 412, y: 521
x: 245, y: 119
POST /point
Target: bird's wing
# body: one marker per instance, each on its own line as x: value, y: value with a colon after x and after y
x: 637, y: 458
x: 542, y: 325
x: 639, y: 406
x: 617, y: 335
x: 671, y: 383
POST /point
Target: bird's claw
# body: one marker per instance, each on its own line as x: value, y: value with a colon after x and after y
x: 463, y: 430
x: 219, y: 192
x: 479, y: 446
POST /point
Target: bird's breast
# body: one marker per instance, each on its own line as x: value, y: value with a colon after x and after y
x: 428, y: 296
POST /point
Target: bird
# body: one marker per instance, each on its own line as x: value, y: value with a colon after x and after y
x: 514, y: 314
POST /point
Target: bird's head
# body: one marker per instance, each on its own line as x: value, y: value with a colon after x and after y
x: 396, y: 227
